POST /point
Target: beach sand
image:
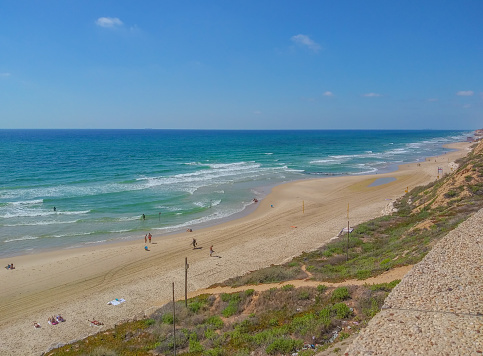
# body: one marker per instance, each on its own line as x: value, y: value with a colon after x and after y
x: 78, y: 283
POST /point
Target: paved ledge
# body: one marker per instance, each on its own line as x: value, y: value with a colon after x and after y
x: 437, y: 309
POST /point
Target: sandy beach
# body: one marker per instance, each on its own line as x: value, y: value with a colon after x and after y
x: 78, y: 283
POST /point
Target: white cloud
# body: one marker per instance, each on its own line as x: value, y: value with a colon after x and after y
x: 371, y: 95
x: 109, y: 22
x: 303, y: 40
x: 328, y: 93
x: 4, y: 75
x: 465, y: 93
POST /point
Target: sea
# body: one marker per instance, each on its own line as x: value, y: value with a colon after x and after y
x: 62, y: 189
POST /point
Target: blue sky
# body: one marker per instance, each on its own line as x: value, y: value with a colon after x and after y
x: 241, y: 64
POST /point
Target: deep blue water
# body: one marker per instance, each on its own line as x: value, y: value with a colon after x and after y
x: 102, y: 181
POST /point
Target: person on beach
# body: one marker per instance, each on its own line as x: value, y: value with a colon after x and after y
x: 194, y: 243
x: 144, y: 217
x: 7, y: 266
x: 149, y: 237
x: 211, y: 251
x: 145, y: 239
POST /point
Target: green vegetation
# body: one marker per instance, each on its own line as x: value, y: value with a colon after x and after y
x: 423, y: 216
x: 286, y: 319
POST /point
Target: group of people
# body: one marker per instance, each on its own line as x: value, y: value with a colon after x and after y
x: 194, y: 243
x: 10, y: 266
x: 146, y: 238
x: 54, y: 320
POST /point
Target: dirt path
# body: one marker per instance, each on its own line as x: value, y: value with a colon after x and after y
x: 386, y: 277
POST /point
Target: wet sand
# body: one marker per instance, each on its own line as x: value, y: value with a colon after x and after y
x: 78, y: 283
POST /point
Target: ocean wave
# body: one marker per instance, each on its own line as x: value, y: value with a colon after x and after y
x: 26, y: 202
x: 23, y: 238
x: 40, y: 223
x: 215, y: 216
x: 327, y: 161
x: 32, y: 213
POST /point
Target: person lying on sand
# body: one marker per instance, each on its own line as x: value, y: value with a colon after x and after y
x: 59, y: 318
x: 52, y: 321
x: 36, y: 325
x: 95, y: 322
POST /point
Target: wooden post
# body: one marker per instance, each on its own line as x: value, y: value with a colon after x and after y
x: 348, y: 232
x: 186, y: 266
x: 348, y: 235
x: 174, y: 323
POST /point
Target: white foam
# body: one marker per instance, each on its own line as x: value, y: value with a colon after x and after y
x: 23, y: 238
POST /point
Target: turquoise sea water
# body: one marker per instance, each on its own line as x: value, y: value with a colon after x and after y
x: 102, y: 181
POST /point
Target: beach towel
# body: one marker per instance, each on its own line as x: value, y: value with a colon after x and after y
x: 116, y: 301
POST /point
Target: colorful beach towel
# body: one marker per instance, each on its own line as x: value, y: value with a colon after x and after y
x: 116, y: 301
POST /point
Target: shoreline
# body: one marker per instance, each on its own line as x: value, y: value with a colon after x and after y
x: 249, y: 209
x: 78, y: 283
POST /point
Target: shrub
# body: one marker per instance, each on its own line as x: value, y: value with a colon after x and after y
x: 372, y: 310
x: 304, y: 295
x: 217, y: 351
x: 215, y: 321
x: 167, y: 318
x: 149, y: 322
x: 225, y: 297
x: 195, y: 306
x: 231, y: 309
x: 321, y: 288
x: 343, y: 335
x: 195, y: 346
x: 249, y: 292
x: 363, y: 274
x: 283, y: 345
x: 340, y: 294
x: 387, y: 287
x: 288, y: 287
x: 342, y: 310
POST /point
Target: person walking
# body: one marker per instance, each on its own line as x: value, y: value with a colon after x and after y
x: 194, y: 243
x: 149, y: 237
x: 211, y: 251
x: 145, y: 239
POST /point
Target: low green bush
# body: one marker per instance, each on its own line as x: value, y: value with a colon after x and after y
x: 283, y: 345
x: 340, y: 294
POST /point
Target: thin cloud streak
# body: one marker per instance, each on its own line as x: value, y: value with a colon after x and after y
x: 109, y: 22
x: 465, y: 93
x: 303, y: 40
